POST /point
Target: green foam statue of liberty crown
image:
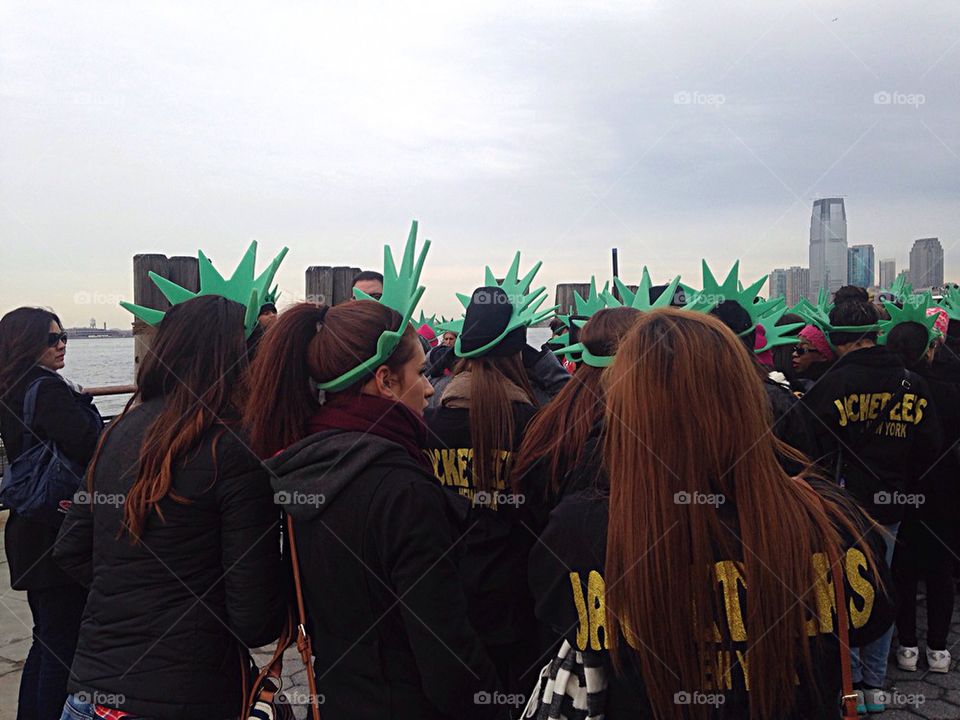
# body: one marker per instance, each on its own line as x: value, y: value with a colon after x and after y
x: 271, y: 296
x: 762, y: 312
x: 524, y: 306
x: 914, y: 310
x: 951, y: 302
x: 819, y: 316
x: 639, y: 300
x: 241, y: 287
x: 401, y: 292
x: 583, y: 309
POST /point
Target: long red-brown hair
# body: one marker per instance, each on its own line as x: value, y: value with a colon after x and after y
x: 686, y: 413
x: 492, y: 422
x: 558, y: 434
x: 311, y: 343
x: 196, y: 366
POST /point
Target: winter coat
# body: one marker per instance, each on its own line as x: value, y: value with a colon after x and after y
x: 166, y: 619
x: 882, y: 452
x: 386, y: 612
x: 59, y: 417
x: 498, y: 534
x: 567, y: 579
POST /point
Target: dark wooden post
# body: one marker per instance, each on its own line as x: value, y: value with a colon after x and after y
x: 329, y: 285
x: 182, y: 270
x: 565, y: 300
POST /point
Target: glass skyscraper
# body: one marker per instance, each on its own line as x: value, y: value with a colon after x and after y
x: 860, y: 266
x: 828, y: 245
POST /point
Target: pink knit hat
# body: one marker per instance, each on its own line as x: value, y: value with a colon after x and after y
x: 943, y: 320
x: 814, y: 335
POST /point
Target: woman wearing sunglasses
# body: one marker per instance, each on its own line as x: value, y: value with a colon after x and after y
x: 32, y: 349
x: 812, y: 356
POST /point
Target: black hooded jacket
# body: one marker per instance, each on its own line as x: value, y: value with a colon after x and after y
x: 497, y: 537
x: 940, y: 484
x: 884, y: 447
x: 60, y: 417
x: 166, y: 620
x: 386, y: 613
x: 567, y: 579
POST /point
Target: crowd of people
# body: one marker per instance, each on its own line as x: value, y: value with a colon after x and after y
x: 688, y: 504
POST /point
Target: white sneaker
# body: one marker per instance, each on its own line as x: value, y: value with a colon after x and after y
x: 907, y: 658
x: 938, y: 660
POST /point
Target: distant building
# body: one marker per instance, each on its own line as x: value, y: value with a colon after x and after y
x: 926, y: 263
x: 860, y: 265
x: 797, y: 285
x: 778, y: 283
x: 888, y: 272
x: 828, y: 245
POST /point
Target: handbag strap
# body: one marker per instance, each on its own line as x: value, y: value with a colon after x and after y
x: 303, y: 638
x: 849, y: 699
x: 29, y: 410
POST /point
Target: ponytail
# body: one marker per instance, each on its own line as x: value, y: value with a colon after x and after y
x: 311, y: 344
x: 282, y: 394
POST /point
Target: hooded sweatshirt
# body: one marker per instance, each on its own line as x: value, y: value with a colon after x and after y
x: 884, y: 447
x: 386, y: 613
x: 568, y: 582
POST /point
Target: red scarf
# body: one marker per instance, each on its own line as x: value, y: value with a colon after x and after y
x: 388, y: 419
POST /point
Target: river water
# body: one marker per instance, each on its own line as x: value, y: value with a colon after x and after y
x: 94, y: 362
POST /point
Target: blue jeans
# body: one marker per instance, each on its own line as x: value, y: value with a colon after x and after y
x: 74, y: 709
x: 870, y: 661
x: 56, y: 624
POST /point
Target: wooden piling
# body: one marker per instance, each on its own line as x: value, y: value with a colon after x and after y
x: 329, y: 285
x: 180, y: 269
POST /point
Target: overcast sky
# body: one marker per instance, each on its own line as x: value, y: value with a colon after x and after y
x: 672, y: 130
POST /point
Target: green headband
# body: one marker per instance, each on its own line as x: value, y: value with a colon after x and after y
x: 401, y: 292
x: 524, y: 306
x: 819, y: 316
x: 242, y: 287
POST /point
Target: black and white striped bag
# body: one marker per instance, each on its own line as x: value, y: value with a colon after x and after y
x: 573, y: 686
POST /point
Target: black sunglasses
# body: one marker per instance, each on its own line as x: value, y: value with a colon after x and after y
x: 803, y: 350
x: 54, y: 338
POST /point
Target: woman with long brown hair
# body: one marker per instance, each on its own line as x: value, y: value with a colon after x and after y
x: 38, y: 405
x: 176, y: 536
x: 564, y: 435
x: 374, y: 533
x: 472, y: 435
x: 713, y: 588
